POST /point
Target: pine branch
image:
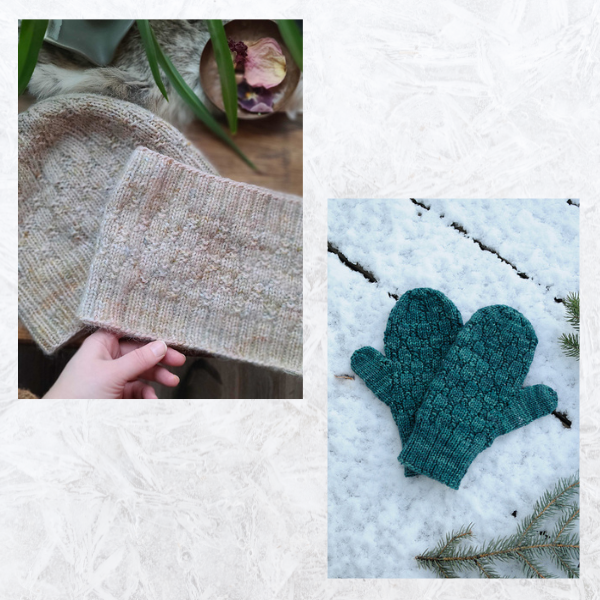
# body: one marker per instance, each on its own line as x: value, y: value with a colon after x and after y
x: 449, y: 542
x: 441, y: 571
x: 572, y: 307
x: 551, y: 501
x: 566, y: 522
x: 531, y: 548
x: 483, y: 571
x: 452, y: 540
x: 570, y: 341
x: 530, y: 567
x: 563, y: 563
x: 570, y: 344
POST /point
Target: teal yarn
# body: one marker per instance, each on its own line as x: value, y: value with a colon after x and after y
x: 477, y: 395
x: 420, y: 330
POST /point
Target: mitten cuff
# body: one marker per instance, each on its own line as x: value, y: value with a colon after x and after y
x: 434, y: 449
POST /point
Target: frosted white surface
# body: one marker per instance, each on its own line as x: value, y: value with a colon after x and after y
x: 142, y: 499
x: 378, y: 519
x: 443, y: 99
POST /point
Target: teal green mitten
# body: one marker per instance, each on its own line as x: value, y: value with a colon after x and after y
x: 476, y: 395
x: 421, y: 328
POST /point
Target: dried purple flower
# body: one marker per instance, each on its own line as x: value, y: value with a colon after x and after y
x: 255, y: 99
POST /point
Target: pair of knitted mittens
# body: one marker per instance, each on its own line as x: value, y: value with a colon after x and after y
x: 453, y: 389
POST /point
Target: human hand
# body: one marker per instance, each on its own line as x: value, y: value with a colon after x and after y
x: 105, y: 367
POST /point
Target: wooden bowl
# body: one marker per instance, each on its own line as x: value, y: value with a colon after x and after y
x: 249, y: 31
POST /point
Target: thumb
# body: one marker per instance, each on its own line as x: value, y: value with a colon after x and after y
x: 527, y: 405
x: 375, y: 370
x: 134, y: 363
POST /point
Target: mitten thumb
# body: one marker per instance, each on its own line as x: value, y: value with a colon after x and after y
x: 133, y: 364
x: 375, y: 370
x: 527, y: 405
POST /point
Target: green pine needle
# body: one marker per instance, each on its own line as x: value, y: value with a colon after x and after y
x: 570, y: 344
x: 572, y: 306
x: 570, y: 341
x: 545, y: 546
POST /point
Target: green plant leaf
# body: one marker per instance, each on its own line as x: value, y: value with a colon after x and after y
x: 188, y: 96
x: 31, y: 38
x: 226, y: 70
x: 290, y: 32
x: 148, y: 42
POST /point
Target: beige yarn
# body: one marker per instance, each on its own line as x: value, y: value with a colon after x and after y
x: 200, y: 262
x: 72, y: 151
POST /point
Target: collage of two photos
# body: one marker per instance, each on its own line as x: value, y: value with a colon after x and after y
x: 161, y: 257
x: 160, y: 209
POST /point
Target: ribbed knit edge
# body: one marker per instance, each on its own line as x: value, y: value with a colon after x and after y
x: 97, y: 298
x: 53, y: 338
x: 174, y: 342
x: 435, y: 450
x: 404, y: 429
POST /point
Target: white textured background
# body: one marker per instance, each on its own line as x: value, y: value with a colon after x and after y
x: 413, y: 98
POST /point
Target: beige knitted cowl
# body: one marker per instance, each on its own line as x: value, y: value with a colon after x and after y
x: 150, y: 242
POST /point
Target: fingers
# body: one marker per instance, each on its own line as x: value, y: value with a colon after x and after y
x: 134, y: 363
x: 161, y: 375
x: 172, y: 358
x: 136, y: 390
x: 103, y: 339
x: 156, y: 372
x: 148, y: 393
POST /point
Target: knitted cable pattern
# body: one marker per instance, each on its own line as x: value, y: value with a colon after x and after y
x: 421, y: 328
x: 72, y: 151
x: 476, y: 395
x: 201, y: 262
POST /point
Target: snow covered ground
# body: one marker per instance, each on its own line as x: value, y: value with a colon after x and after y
x: 527, y: 257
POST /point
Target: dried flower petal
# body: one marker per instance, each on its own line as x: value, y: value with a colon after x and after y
x: 265, y: 64
x: 240, y: 52
x: 256, y: 100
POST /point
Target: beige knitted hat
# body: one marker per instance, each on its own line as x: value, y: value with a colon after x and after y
x: 72, y: 151
x: 200, y: 262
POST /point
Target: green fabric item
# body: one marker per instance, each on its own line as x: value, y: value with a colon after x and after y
x: 476, y: 395
x: 421, y: 329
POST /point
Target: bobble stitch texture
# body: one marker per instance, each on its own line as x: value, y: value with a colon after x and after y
x: 476, y: 395
x: 421, y: 328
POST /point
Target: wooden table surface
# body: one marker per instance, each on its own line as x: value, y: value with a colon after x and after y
x: 273, y: 144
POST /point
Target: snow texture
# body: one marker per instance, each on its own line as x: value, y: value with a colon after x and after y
x: 378, y: 520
